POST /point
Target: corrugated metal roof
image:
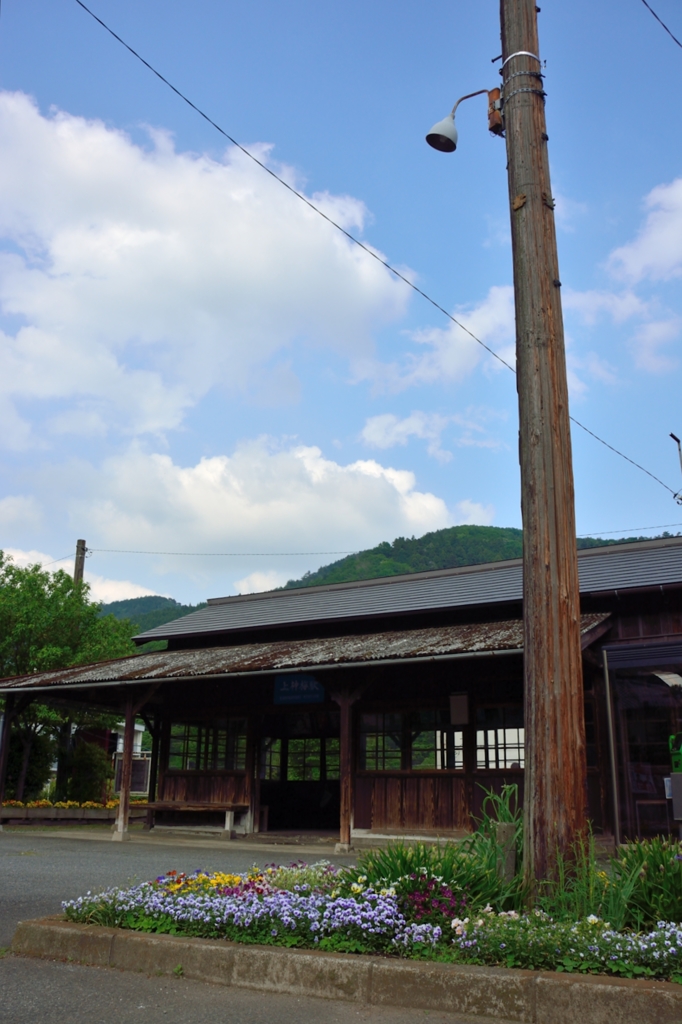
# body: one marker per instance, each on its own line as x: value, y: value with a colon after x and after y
x: 651, y: 563
x: 293, y: 655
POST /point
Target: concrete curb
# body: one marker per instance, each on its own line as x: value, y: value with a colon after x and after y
x: 486, y: 993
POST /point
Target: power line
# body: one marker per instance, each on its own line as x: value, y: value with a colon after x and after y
x: 626, y: 457
x: 62, y: 559
x: 630, y: 529
x: 662, y: 23
x: 351, y: 237
x: 220, y: 554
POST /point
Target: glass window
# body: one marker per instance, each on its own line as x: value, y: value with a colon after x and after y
x: 197, y: 747
x: 271, y: 759
x: 500, y: 737
x: 381, y: 742
x: 303, y: 762
x: 332, y: 758
x: 435, y: 744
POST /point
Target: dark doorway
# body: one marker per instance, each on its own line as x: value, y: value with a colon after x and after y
x: 299, y: 769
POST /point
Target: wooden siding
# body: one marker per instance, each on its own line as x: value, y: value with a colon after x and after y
x: 204, y: 787
x: 423, y: 802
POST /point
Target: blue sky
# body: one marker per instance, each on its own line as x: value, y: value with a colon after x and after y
x: 193, y: 361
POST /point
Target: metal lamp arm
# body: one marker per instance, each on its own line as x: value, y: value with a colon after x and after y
x: 468, y: 97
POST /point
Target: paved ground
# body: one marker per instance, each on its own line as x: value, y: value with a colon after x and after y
x: 39, y: 870
x: 44, y: 870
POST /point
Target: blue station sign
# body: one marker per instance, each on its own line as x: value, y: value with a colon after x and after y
x: 298, y: 688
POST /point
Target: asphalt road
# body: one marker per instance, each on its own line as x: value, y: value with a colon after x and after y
x: 38, y: 871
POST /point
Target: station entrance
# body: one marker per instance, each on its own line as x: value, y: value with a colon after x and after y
x: 299, y: 770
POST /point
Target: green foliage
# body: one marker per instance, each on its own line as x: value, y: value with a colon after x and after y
x: 649, y: 874
x: 471, y: 866
x: 441, y: 549
x: 91, y: 770
x: 39, y: 755
x: 318, y: 877
x: 48, y: 622
x: 642, y: 885
x: 150, y: 611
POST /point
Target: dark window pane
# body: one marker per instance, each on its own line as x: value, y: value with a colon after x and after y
x: 271, y: 759
x: 303, y: 764
x: 332, y: 758
x: 381, y: 742
x: 500, y: 737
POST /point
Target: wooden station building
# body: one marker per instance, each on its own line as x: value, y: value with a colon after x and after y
x: 387, y: 707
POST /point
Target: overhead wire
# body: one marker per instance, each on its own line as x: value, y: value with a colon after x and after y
x: 351, y: 237
x: 674, y: 38
x: 630, y: 530
x: 221, y: 554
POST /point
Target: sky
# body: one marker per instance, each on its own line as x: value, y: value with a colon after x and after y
x: 192, y: 360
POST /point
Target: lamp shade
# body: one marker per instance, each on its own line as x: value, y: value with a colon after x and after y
x: 443, y: 135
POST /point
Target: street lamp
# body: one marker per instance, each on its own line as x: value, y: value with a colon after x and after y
x: 443, y: 135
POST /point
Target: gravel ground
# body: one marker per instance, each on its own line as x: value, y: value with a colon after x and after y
x: 40, y: 870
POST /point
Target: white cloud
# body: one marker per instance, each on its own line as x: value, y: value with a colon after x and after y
x: 656, y: 252
x: 649, y: 342
x: 145, y: 277
x: 257, y: 582
x: 388, y: 430
x: 590, y: 305
x: 259, y: 498
x: 451, y: 354
x: 101, y: 589
x: 471, y: 512
x: 19, y: 510
x: 105, y: 590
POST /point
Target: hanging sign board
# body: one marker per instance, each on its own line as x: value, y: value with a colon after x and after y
x: 298, y: 689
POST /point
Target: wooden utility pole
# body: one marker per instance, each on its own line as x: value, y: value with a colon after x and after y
x: 79, y: 564
x: 121, y: 828
x: 555, y: 775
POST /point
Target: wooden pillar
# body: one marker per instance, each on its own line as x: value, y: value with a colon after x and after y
x: 4, y: 745
x: 153, y: 769
x: 345, y: 699
x: 556, y: 771
x: 121, y: 828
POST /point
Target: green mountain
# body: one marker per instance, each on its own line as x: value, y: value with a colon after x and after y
x: 147, y: 612
x: 442, y: 549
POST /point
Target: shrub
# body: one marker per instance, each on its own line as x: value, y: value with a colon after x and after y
x: 91, y: 769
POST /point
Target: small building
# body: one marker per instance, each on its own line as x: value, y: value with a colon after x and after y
x: 389, y: 707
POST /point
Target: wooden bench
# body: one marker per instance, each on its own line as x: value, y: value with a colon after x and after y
x: 229, y: 810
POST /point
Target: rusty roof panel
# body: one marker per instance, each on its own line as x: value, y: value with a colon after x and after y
x: 287, y: 656
x: 620, y: 567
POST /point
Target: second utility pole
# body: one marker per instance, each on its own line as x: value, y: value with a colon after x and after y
x: 79, y: 564
x: 555, y: 768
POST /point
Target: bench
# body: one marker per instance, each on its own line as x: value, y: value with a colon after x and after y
x: 229, y: 809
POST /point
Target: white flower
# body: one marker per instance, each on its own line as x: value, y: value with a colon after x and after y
x: 592, y: 919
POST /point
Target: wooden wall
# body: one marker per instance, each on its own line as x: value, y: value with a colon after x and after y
x: 423, y: 801
x: 204, y: 787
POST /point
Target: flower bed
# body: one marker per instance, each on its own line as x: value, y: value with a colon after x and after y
x: 416, y: 915
x: 68, y: 804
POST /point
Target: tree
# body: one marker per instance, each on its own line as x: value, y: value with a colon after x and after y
x: 91, y: 769
x: 47, y: 621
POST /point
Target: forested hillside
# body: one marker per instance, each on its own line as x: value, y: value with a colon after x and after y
x: 442, y: 549
x: 147, y: 612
